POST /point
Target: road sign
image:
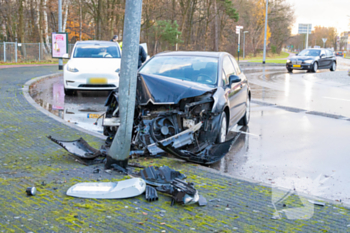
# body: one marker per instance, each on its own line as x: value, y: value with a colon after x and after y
x: 239, y: 27
x: 304, y: 28
x: 324, y: 40
x: 239, y: 47
x: 238, y: 31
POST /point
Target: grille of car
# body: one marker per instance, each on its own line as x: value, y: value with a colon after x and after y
x: 97, y: 85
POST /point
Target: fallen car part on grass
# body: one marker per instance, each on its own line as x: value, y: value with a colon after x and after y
x: 317, y: 203
x: 31, y: 191
x: 108, y: 190
x: 158, y: 176
x: 79, y: 148
x: 151, y: 194
x: 202, y: 201
x: 209, y: 155
x: 181, y: 192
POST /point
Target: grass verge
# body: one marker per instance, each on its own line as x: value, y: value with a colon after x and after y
x: 269, y: 56
x: 277, y: 61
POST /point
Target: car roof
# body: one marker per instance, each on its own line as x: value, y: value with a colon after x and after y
x: 95, y: 41
x: 193, y: 53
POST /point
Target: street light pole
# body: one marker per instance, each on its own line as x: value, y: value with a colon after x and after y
x: 267, y: 7
x: 60, y: 61
x: 244, y: 43
x: 120, y: 148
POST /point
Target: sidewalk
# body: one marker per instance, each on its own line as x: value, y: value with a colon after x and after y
x: 29, y: 159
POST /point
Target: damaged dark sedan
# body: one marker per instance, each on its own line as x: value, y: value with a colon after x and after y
x: 185, y: 104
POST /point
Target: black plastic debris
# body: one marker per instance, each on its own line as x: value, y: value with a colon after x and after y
x: 157, y: 176
x: 202, y: 201
x: 31, y: 191
x: 151, y: 194
x: 211, y: 154
x: 78, y: 148
x: 120, y: 169
x: 180, y: 191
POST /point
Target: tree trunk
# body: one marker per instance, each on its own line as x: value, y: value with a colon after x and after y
x: 216, y: 28
x: 46, y: 27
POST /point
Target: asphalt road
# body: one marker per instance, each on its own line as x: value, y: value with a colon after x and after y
x: 297, y: 137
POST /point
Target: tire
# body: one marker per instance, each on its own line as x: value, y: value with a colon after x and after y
x: 68, y: 91
x: 314, y: 67
x: 223, y: 129
x: 290, y: 70
x: 334, y: 66
x: 245, y: 119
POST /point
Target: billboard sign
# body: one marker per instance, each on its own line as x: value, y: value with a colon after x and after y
x: 59, y: 45
x: 304, y: 28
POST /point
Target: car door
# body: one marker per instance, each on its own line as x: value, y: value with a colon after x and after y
x: 323, y: 59
x: 330, y: 55
x: 242, y: 94
x: 231, y: 90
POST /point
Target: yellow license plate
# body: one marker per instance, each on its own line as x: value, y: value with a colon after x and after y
x: 97, y: 81
x: 90, y: 115
x: 297, y: 66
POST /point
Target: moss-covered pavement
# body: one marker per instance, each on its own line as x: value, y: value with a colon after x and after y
x: 28, y: 159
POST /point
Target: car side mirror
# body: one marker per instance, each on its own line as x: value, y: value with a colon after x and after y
x: 234, y: 79
x: 296, y: 54
x: 322, y: 55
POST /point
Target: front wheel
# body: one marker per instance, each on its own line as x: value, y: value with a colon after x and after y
x: 290, y: 70
x: 334, y: 66
x: 223, y: 129
x: 245, y: 119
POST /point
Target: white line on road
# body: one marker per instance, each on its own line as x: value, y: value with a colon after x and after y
x: 335, y: 99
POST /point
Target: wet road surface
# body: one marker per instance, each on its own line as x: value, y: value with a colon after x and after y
x: 292, y: 149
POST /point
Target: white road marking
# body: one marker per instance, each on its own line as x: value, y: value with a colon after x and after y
x: 336, y: 99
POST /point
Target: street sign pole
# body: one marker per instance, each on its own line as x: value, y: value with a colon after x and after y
x: 267, y: 7
x: 120, y: 148
x: 239, y: 42
x: 324, y: 41
x: 307, y: 37
x: 60, y: 61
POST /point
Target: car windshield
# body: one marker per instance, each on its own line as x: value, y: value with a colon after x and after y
x: 96, y: 50
x: 190, y: 68
x: 310, y: 52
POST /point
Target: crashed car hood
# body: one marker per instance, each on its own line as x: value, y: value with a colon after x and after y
x: 164, y: 90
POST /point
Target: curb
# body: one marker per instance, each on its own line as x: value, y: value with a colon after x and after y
x: 30, y: 100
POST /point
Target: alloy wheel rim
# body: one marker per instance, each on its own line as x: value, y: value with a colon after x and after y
x: 223, y: 130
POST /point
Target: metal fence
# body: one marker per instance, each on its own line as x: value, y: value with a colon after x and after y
x: 16, y: 52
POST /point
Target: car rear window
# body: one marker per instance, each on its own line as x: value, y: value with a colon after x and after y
x: 96, y: 50
x: 189, y: 68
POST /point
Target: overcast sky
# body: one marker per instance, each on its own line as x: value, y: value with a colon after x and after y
x: 328, y: 13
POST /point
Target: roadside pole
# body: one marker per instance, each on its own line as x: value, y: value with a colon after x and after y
x: 244, y: 43
x: 60, y: 61
x: 239, y: 42
x: 4, y: 51
x: 238, y: 31
x: 120, y: 148
x: 307, y: 37
x: 16, y: 50
x: 267, y: 7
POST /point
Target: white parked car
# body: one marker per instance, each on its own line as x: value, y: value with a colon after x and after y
x: 94, y: 65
